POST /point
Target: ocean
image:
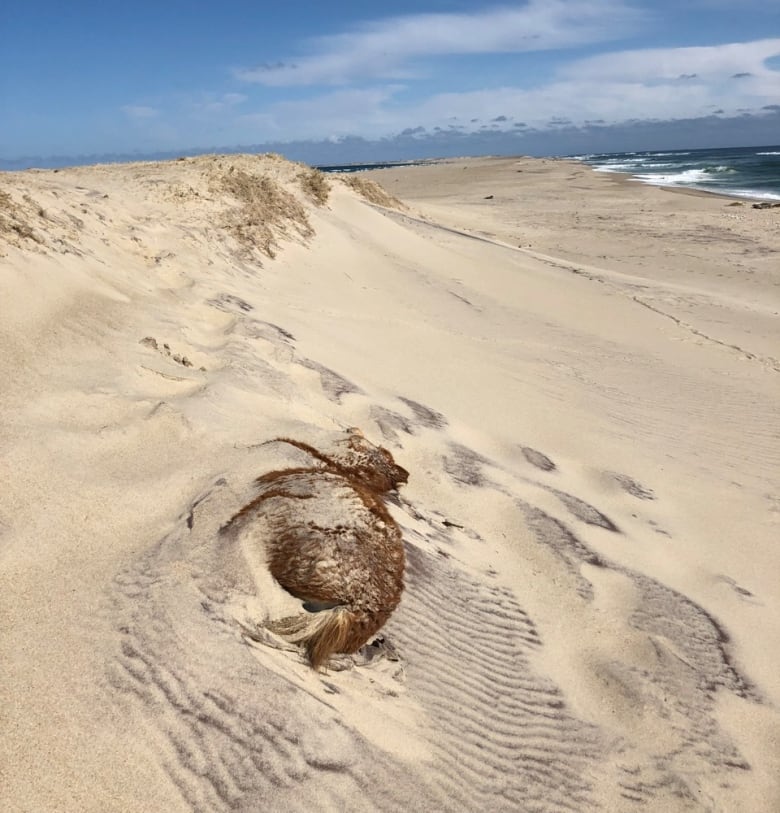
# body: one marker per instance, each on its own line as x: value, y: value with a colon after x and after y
x: 745, y: 172
x: 337, y: 168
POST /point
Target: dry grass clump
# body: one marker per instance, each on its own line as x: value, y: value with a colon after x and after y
x: 266, y: 210
x: 371, y: 191
x: 315, y: 185
x: 14, y: 226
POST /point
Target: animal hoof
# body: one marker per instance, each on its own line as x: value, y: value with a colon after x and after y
x: 380, y: 648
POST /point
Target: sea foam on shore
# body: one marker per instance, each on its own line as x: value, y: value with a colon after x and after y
x: 747, y: 172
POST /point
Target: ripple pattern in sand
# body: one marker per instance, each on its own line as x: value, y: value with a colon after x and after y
x: 235, y: 735
x: 503, y: 735
x: 231, y: 734
x: 692, y: 662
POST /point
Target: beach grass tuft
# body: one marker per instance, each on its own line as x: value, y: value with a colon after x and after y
x: 315, y: 185
x: 372, y: 191
x: 265, y: 210
x: 14, y: 225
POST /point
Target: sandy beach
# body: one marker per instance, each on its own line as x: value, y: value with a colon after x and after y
x: 580, y: 375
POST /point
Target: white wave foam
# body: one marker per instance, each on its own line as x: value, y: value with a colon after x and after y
x: 715, y: 178
x: 698, y: 179
x: 688, y: 176
x: 750, y: 193
x: 626, y: 165
x: 615, y: 168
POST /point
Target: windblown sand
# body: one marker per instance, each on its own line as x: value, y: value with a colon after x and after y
x: 581, y: 376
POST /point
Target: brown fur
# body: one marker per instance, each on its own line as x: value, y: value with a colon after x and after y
x: 333, y: 543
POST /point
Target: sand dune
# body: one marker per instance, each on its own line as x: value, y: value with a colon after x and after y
x: 591, y: 609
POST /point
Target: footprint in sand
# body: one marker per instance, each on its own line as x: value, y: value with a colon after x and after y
x: 164, y: 349
x: 538, y: 459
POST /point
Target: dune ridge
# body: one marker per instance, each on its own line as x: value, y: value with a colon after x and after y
x: 589, y: 524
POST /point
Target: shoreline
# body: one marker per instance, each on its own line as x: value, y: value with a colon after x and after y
x: 633, y: 177
x: 565, y: 208
x: 623, y: 177
x: 685, y: 190
x: 338, y: 169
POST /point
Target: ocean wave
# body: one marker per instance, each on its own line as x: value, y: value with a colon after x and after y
x: 631, y: 167
x: 751, y: 193
x: 624, y: 164
x: 615, y: 168
x: 732, y: 172
x: 698, y: 179
x: 688, y: 176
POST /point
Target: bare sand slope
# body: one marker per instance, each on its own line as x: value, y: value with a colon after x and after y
x: 591, y: 609
x: 708, y: 262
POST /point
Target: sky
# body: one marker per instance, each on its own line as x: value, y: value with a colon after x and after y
x: 342, y: 81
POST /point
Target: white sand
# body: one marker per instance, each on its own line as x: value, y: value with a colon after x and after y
x: 586, y: 400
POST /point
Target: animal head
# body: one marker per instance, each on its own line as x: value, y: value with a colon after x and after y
x: 371, y: 465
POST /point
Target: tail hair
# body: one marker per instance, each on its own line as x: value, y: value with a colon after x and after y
x: 322, y: 633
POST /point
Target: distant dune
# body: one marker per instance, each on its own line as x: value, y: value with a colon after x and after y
x: 580, y: 376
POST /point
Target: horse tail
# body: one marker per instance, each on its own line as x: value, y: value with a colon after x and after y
x: 322, y: 633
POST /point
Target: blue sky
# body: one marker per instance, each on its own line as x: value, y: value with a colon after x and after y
x: 343, y: 81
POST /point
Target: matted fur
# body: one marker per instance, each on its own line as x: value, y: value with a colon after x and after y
x: 331, y: 542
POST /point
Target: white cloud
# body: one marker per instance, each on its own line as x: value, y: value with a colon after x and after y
x: 339, y: 113
x: 614, y: 88
x: 386, y: 48
x: 211, y: 103
x: 715, y: 62
x: 575, y: 101
x: 139, y: 111
x: 659, y: 84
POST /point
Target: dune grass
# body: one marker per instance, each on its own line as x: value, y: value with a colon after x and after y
x: 265, y: 210
x: 315, y: 185
x: 14, y: 225
x: 371, y: 191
